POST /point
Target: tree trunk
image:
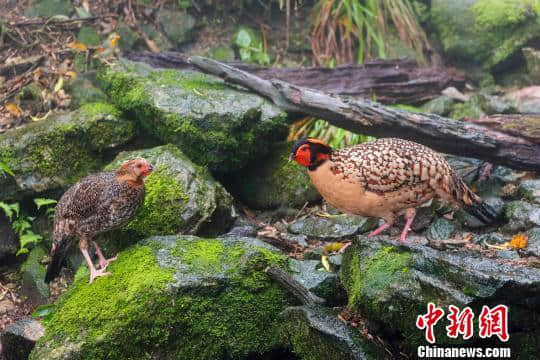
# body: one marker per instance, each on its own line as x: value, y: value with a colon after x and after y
x: 371, y: 118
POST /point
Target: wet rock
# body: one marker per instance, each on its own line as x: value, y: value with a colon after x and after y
x: 245, y: 231
x: 274, y: 181
x: 314, y: 254
x: 391, y: 285
x: 491, y: 238
x: 470, y: 109
x: 32, y: 278
x: 521, y: 216
x: 314, y: 333
x: 441, y: 105
x: 179, y: 26
x: 48, y: 8
x: 507, y: 175
x: 19, y: 338
x: 470, y: 221
x: 214, y: 124
x: 181, y: 197
x: 336, y: 227
x: 527, y: 101
x: 441, y: 229
x: 530, y: 190
x: 56, y: 152
x: 533, y: 245
x: 335, y: 260
x: 181, y: 297
x: 83, y: 91
x: 8, y: 239
x: 532, y: 57
x: 508, y: 254
x: 315, y: 278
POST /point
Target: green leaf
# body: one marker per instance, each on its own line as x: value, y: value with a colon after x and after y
x: 44, y: 311
x: 21, y: 225
x: 243, y: 38
x: 245, y: 55
x: 82, y: 13
x: 27, y: 239
x: 7, y: 209
x: 6, y: 169
x: 22, y: 251
x: 44, y: 202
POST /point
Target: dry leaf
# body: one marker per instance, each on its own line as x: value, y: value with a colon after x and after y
x: 332, y: 247
x: 326, y: 263
x: 75, y: 45
x: 114, y: 40
x: 59, y: 84
x: 13, y: 109
x: 72, y: 74
x: 519, y: 241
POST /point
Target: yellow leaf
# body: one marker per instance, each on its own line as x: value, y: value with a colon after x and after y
x: 326, y: 263
x: 332, y: 247
x: 59, y: 84
x: 78, y: 46
x: 114, y: 40
x: 72, y: 74
x: 13, y: 109
x: 519, y: 241
x: 36, y: 118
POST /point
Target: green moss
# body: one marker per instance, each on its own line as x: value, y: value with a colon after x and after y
x: 198, y: 82
x: 165, y: 199
x: 491, y: 14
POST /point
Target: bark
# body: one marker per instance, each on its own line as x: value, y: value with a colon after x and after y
x: 371, y: 118
x: 388, y: 81
x: 298, y: 290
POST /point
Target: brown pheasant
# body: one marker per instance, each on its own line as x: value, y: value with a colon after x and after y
x: 385, y: 178
x: 96, y: 204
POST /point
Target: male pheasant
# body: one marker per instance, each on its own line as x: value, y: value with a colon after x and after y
x: 385, y: 178
x: 96, y: 204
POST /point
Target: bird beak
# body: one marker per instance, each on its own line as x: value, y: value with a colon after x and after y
x: 150, y: 168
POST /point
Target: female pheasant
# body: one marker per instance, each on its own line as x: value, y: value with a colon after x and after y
x: 96, y: 204
x: 385, y: 178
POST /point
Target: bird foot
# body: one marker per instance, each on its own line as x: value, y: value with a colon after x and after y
x: 97, y: 273
x: 103, y: 263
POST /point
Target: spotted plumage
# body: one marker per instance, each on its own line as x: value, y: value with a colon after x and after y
x: 96, y: 204
x: 385, y: 178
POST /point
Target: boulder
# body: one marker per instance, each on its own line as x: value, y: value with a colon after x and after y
x: 391, y: 284
x: 19, y: 338
x: 441, y: 229
x: 334, y: 227
x: 521, y: 216
x: 274, y: 181
x: 33, y: 286
x: 441, y: 105
x: 215, y: 125
x: 314, y: 277
x: 530, y: 190
x: 56, y: 152
x: 175, y: 297
x: 179, y: 26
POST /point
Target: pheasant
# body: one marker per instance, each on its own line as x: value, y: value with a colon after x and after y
x: 385, y: 178
x: 96, y: 204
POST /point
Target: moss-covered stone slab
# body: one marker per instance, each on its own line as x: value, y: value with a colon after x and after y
x: 172, y: 297
x: 274, y: 181
x: 314, y: 277
x: 391, y: 285
x: 334, y: 227
x: 180, y: 197
x: 33, y: 286
x: 56, y: 152
x: 215, y: 125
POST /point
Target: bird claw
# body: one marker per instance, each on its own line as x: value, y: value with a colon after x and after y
x: 97, y: 273
x: 103, y: 263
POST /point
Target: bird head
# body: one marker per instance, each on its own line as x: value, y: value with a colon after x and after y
x: 136, y: 169
x: 310, y: 152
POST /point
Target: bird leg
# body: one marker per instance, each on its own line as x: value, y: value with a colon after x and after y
x: 103, y: 263
x: 409, y: 215
x: 83, y: 245
x: 379, y: 230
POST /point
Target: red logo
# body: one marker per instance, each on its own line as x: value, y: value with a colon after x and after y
x: 460, y: 322
x: 494, y: 322
x: 429, y: 320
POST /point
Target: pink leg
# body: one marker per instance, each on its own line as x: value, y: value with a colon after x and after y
x: 379, y: 230
x: 410, y: 214
x: 345, y: 246
x: 103, y: 263
x: 83, y: 245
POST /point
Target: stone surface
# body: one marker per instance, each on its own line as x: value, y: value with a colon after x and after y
x: 530, y: 190
x: 215, y: 125
x: 315, y: 278
x: 274, y: 181
x: 521, y: 216
x: 8, y: 238
x: 336, y: 227
x: 532, y: 57
x: 441, y: 105
x: 527, y: 101
x: 391, y: 286
x: 56, y: 152
x: 19, y: 338
x: 441, y: 229
x: 179, y: 26
x: 533, y: 245
x: 83, y: 91
x: 32, y: 278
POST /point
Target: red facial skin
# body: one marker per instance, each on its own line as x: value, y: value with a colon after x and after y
x: 303, y: 156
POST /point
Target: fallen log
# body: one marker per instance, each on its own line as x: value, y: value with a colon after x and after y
x: 372, y: 118
x: 388, y: 81
x: 521, y: 125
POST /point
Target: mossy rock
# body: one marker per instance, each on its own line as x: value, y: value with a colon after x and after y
x: 391, y: 285
x: 179, y: 26
x: 32, y: 278
x: 215, y: 125
x: 56, y: 152
x: 180, y: 197
x: 172, y: 297
x: 274, y: 181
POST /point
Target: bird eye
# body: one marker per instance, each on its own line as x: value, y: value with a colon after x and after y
x: 139, y: 166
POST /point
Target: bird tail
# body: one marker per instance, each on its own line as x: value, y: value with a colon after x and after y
x: 59, y: 253
x: 474, y: 205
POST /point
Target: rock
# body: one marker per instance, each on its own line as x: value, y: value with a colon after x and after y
x: 8, y: 239
x: 83, y: 91
x: 508, y: 254
x: 441, y: 229
x: 314, y: 254
x: 491, y: 238
x: 441, y: 105
x: 180, y: 297
x: 56, y: 152
x: 89, y: 36
x: 181, y: 197
x: 530, y: 190
x: 337, y: 227
x: 274, y: 181
x: 521, y: 216
x: 157, y: 38
x: 314, y: 333
x: 128, y: 37
x: 215, y: 125
x: 335, y: 260
x: 391, y: 285
x: 19, y: 338
x: 507, y: 175
x: 315, y: 278
x: 527, y: 101
x: 532, y: 57
x: 32, y: 278
x: 244, y: 231
x: 533, y: 245
x: 471, y: 221
x: 470, y: 109
x: 179, y: 26
x: 48, y: 8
